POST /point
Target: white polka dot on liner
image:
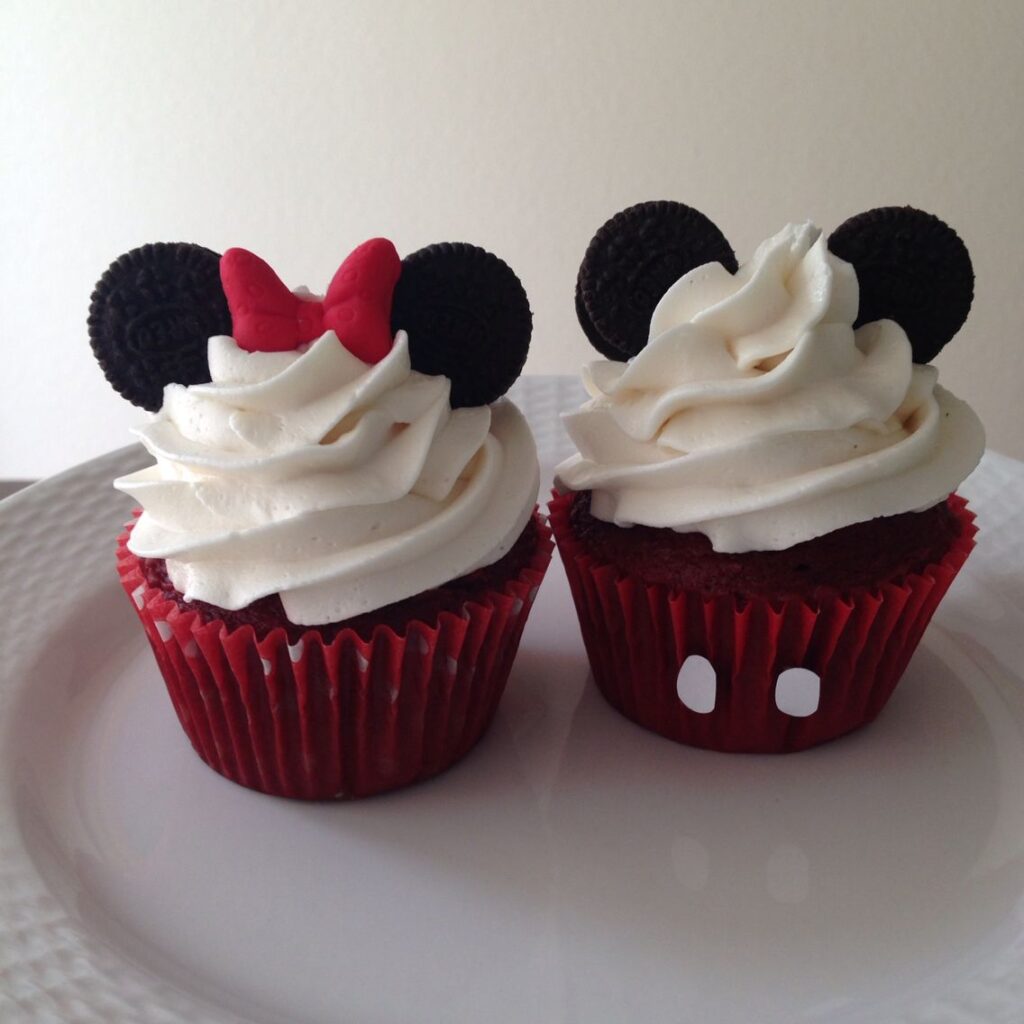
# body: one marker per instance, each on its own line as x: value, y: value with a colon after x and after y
x: 697, y: 684
x: 798, y: 692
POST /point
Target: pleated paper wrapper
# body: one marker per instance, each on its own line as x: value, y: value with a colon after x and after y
x: 343, y: 718
x: 858, y: 643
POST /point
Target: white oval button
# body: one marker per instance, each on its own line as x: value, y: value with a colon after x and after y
x: 797, y: 692
x: 696, y: 684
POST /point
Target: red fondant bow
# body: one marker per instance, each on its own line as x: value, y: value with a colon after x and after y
x: 267, y: 317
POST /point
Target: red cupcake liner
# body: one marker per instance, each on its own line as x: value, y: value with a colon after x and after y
x: 341, y: 719
x: 639, y: 636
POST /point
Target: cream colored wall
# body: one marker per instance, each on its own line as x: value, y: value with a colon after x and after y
x: 298, y: 129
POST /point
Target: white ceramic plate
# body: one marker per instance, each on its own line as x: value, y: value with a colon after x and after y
x: 572, y: 869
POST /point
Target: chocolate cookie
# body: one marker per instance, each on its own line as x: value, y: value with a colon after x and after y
x: 912, y: 268
x: 150, y: 317
x: 467, y: 317
x: 632, y: 261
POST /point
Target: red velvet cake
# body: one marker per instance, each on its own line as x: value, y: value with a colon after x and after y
x: 852, y: 558
x: 338, y: 546
x: 760, y: 519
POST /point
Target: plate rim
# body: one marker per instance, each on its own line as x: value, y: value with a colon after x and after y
x: 106, y: 986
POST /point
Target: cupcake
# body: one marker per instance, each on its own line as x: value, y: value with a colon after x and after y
x: 761, y: 518
x: 338, y: 544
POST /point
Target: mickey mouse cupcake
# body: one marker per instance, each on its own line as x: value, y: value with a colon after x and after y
x: 339, y: 545
x: 760, y: 520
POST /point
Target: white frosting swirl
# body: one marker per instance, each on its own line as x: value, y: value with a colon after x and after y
x: 341, y: 486
x: 757, y: 416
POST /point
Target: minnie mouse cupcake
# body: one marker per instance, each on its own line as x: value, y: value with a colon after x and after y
x: 339, y: 546
x: 760, y: 520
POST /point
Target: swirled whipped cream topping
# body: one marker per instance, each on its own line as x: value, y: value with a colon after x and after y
x: 758, y: 416
x: 340, y: 485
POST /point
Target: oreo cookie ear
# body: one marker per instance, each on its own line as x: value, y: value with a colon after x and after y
x: 632, y: 261
x: 467, y: 317
x: 150, y: 317
x: 912, y: 268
